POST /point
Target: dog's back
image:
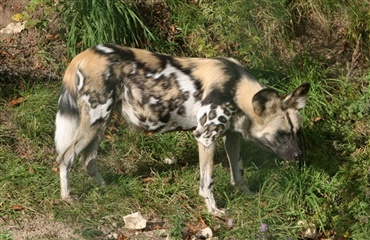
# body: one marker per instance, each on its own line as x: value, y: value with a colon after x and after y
x: 153, y: 92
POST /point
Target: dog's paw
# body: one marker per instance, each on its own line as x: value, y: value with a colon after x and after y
x: 70, y: 199
x: 244, y: 188
x: 218, y: 212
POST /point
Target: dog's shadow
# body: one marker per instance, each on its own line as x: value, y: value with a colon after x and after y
x: 257, y: 162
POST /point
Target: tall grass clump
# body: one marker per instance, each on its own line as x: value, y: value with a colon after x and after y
x: 89, y: 23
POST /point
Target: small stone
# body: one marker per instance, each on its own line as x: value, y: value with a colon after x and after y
x: 134, y: 221
x: 309, y: 230
x: 205, y: 233
x: 170, y: 160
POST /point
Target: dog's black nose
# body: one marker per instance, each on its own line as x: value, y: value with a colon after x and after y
x: 297, y: 155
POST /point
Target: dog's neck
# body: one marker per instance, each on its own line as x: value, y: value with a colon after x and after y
x: 245, y: 91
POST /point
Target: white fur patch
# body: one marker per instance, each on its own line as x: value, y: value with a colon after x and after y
x: 81, y: 79
x: 104, y: 49
x: 191, y: 105
x: 134, y: 68
x: 100, y: 111
x: 128, y: 110
x: 65, y: 129
x: 153, y: 100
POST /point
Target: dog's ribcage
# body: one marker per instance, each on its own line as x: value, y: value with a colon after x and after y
x: 160, y: 101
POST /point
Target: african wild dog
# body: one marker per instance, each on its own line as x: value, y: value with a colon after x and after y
x: 158, y: 93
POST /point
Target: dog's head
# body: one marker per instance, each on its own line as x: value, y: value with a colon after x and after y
x: 277, y: 122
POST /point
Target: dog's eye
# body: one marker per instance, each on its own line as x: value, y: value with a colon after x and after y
x: 282, y: 136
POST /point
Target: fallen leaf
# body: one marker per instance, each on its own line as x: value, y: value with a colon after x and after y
x: 316, y: 119
x: 55, y: 167
x: 109, y: 137
x: 121, y: 169
x: 7, y: 54
x: 15, y: 102
x: 14, y: 28
x: 155, y: 225
x: 122, y: 237
x: 148, y: 179
x: 18, y: 17
x: 347, y: 234
x: 51, y: 37
x: 200, y: 219
x: 17, y: 207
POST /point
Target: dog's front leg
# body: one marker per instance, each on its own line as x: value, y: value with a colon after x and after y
x: 206, y: 177
x: 232, y: 148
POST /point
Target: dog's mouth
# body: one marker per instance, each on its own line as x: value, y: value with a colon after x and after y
x: 286, y: 157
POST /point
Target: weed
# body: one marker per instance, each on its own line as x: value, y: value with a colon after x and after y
x: 39, y: 13
x: 5, y: 236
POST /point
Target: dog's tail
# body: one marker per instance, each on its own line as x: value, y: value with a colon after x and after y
x: 68, y: 116
x: 67, y: 120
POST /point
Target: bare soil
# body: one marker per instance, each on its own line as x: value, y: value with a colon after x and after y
x: 38, y: 227
x: 20, y: 53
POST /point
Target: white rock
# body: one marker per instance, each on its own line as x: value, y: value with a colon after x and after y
x: 205, y: 233
x: 134, y: 221
x: 309, y: 230
x: 170, y: 160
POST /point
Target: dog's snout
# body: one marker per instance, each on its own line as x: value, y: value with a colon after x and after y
x: 297, y: 155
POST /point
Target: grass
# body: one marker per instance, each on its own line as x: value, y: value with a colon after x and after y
x: 94, y: 22
x: 283, y: 44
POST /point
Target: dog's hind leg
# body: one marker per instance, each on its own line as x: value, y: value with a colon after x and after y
x: 85, y: 142
x: 82, y: 139
x: 88, y: 158
x: 232, y: 148
x: 206, y: 155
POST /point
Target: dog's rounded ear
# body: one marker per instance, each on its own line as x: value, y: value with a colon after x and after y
x: 266, y: 101
x: 297, y: 99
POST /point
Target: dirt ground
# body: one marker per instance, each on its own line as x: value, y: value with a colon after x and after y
x: 19, y: 60
x: 21, y: 53
x: 40, y: 227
